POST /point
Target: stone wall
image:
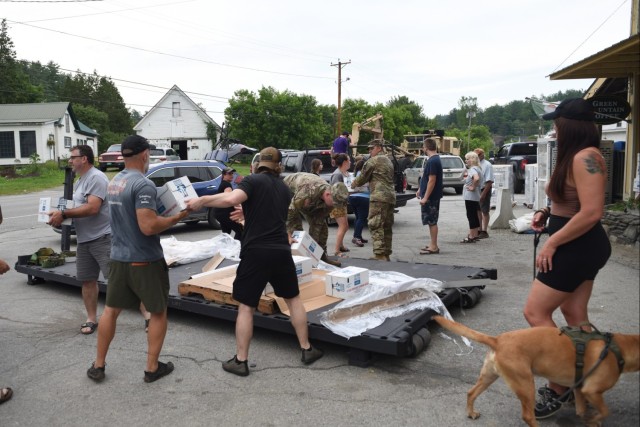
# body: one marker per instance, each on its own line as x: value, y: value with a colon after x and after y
x: 622, y: 227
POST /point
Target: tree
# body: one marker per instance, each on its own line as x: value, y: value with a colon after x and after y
x: 14, y: 84
x: 277, y: 119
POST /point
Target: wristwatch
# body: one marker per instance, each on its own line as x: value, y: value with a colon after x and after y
x: 64, y: 215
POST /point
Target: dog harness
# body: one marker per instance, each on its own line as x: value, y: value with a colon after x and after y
x: 581, y: 339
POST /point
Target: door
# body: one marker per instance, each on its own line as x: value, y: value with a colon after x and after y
x: 180, y: 147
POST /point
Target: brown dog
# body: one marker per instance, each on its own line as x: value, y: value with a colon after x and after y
x: 518, y: 355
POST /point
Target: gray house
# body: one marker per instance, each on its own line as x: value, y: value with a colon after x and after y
x: 49, y: 129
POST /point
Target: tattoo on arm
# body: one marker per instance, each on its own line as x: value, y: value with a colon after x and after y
x: 594, y: 164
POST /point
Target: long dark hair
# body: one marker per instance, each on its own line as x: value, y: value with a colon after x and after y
x: 572, y: 136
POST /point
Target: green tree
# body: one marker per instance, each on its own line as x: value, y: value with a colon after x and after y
x: 15, y: 87
x: 278, y: 119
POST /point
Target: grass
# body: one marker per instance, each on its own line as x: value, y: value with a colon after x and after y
x: 29, y: 179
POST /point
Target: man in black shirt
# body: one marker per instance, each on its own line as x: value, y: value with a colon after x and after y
x: 265, y: 255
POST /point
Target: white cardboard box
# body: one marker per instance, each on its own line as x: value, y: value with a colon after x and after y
x: 303, y: 272
x: 172, y: 196
x: 305, y: 246
x: 45, y: 206
x: 344, y: 282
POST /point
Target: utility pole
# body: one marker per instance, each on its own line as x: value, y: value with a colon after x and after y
x: 340, y: 66
x: 470, y: 114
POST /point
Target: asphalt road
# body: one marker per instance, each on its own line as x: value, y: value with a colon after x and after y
x: 43, y: 357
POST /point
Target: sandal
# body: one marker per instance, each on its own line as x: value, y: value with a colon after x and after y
x: 427, y: 251
x: 343, y: 249
x: 91, y: 325
x: 340, y: 255
x: 469, y: 239
x: 5, y: 394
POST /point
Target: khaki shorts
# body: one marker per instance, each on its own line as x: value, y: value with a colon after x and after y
x: 133, y: 282
x: 338, y: 212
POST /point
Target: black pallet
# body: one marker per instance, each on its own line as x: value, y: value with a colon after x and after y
x: 396, y: 336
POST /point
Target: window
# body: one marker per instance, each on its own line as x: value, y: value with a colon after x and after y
x: 175, y: 109
x: 66, y: 123
x: 162, y: 176
x: 290, y: 165
x: 194, y: 173
x: 27, y: 143
x: 67, y: 142
x: 7, y: 145
x: 418, y: 162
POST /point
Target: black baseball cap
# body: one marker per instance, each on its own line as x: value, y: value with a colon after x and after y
x: 346, y: 133
x: 573, y: 108
x: 135, y: 144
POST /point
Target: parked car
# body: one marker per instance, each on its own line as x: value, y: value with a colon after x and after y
x: 204, y: 175
x: 111, y: 158
x: 162, y: 154
x: 518, y: 155
x: 452, y: 171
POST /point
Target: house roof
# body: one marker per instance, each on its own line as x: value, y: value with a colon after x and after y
x: 32, y: 113
x: 195, y: 107
x: 42, y: 113
x: 620, y: 60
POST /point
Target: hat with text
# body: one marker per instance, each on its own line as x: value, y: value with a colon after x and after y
x: 339, y: 193
x: 269, y: 158
x: 574, y: 109
x: 134, y: 144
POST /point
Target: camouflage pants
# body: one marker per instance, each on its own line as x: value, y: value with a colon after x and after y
x: 380, y: 223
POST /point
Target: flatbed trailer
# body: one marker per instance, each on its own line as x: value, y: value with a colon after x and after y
x: 403, y: 336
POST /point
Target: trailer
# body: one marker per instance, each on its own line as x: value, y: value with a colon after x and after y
x: 403, y: 336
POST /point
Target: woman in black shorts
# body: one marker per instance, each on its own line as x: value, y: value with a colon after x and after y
x: 578, y: 246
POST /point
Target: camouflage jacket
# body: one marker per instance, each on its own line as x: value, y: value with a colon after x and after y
x: 378, y: 172
x: 307, y: 190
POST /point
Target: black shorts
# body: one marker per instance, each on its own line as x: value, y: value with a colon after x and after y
x: 259, y: 266
x: 578, y: 260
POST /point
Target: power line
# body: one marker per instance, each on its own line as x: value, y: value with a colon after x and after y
x: 46, y: 1
x: 172, y: 55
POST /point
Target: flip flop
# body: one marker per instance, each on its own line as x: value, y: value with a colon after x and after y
x: 427, y: 251
x: 91, y: 325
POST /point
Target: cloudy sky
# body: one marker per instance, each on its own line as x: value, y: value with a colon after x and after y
x: 433, y: 52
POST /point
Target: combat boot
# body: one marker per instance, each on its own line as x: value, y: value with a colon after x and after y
x: 326, y: 259
x: 380, y: 257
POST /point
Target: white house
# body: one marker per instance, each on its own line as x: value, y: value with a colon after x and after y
x: 615, y: 132
x: 48, y: 129
x: 178, y: 122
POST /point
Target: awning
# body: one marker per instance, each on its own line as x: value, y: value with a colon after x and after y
x: 620, y: 60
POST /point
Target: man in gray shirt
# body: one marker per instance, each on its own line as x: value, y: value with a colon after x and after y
x: 138, y: 269
x: 90, y: 215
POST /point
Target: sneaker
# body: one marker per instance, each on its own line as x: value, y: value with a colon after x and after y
x: 483, y: 235
x: 364, y: 240
x: 359, y: 243
x: 96, y: 374
x: 549, y: 402
x: 311, y: 354
x: 163, y: 370
x: 236, y: 367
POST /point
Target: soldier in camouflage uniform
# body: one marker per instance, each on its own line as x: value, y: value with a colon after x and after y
x: 378, y: 172
x: 314, y: 199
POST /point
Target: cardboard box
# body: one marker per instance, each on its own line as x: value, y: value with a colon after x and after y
x: 171, y: 196
x: 45, y: 206
x: 303, y: 271
x: 311, y: 293
x: 344, y: 282
x: 305, y: 246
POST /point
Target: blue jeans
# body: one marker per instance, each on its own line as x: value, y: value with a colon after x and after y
x: 360, y: 207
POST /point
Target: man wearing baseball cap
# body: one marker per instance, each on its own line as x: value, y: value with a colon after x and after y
x: 340, y: 144
x: 314, y: 199
x: 378, y: 172
x: 265, y: 255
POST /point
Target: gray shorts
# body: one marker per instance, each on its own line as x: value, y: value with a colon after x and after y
x: 485, y: 206
x: 93, y: 257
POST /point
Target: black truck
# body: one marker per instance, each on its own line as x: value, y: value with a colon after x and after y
x: 300, y: 161
x: 519, y: 155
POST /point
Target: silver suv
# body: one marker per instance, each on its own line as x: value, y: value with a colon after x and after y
x: 452, y: 171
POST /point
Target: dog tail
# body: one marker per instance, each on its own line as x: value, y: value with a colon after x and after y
x: 460, y: 329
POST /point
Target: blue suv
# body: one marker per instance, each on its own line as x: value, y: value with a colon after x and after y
x: 204, y: 175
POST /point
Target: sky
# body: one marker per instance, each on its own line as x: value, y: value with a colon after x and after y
x: 433, y: 52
